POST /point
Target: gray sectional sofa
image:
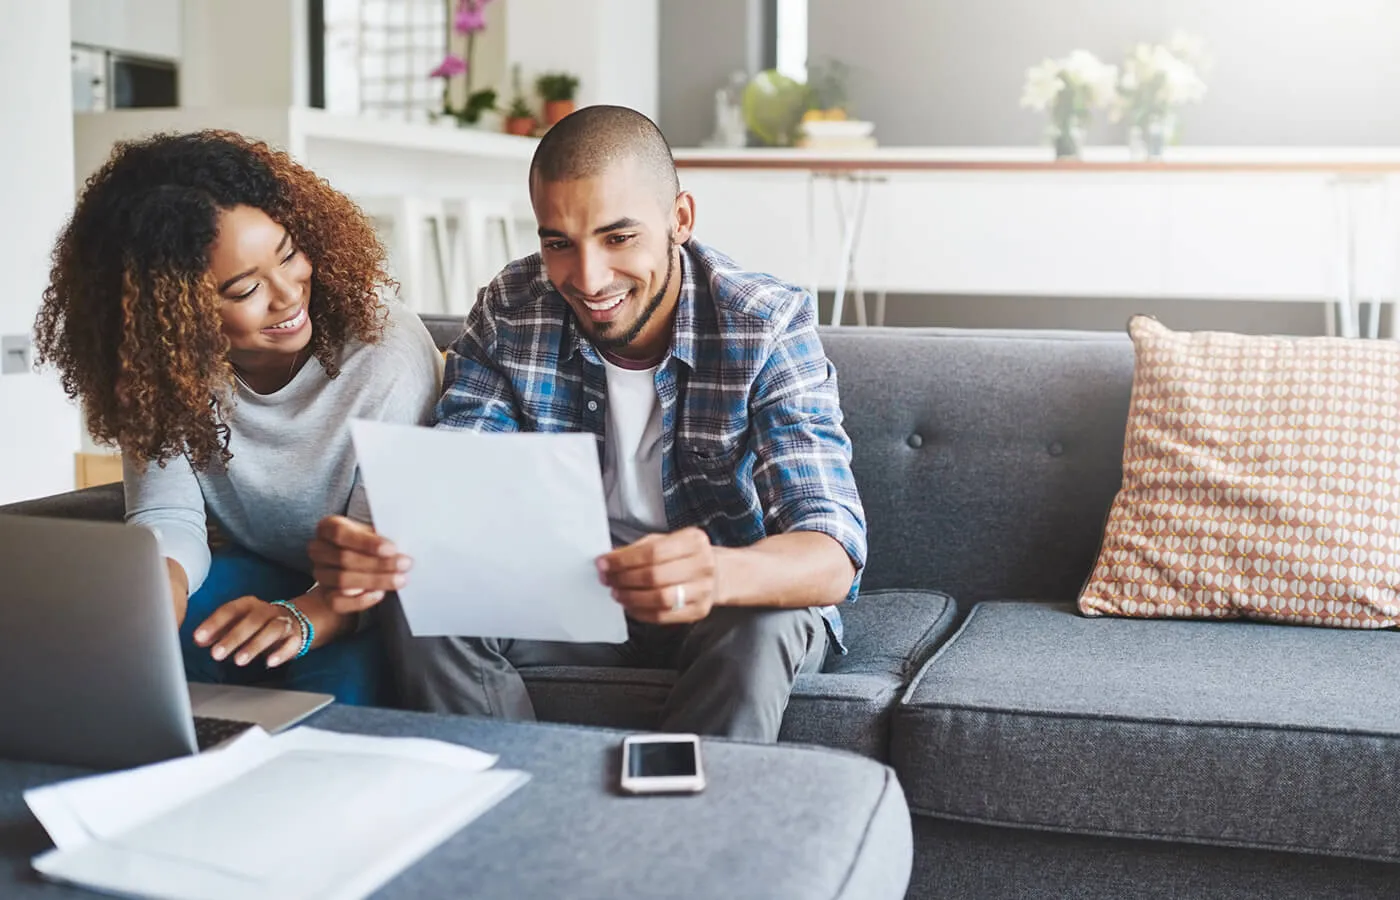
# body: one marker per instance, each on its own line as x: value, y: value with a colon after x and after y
x: 1045, y: 754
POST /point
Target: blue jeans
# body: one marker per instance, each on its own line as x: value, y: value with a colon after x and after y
x: 354, y: 668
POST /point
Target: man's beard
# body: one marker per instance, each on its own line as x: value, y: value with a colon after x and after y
x: 619, y: 342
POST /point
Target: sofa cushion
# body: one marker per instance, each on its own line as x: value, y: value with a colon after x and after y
x: 986, y: 460
x: 1260, y: 480
x: 103, y: 503
x: 444, y: 329
x: 889, y: 634
x: 1235, y: 733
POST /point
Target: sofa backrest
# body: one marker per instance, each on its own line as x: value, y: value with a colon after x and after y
x: 986, y: 461
x: 444, y: 329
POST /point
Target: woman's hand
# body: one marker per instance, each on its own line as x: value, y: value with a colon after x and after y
x: 355, y: 566
x: 247, y: 628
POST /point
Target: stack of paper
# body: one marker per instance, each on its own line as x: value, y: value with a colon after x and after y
x: 305, y: 814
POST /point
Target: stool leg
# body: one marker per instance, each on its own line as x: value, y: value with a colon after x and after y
x: 442, y: 266
x: 848, y: 238
x: 508, y: 236
x: 862, y: 203
x: 476, y: 253
x: 459, y: 293
x: 813, y: 263
x: 410, y: 228
x: 1344, y: 222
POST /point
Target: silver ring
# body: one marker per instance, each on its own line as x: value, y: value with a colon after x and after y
x: 680, y: 597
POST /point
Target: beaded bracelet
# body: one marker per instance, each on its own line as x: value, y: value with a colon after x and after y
x: 308, y: 631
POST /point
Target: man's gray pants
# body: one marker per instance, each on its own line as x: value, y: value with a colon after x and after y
x: 734, y: 669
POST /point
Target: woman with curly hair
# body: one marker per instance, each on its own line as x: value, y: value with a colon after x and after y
x: 216, y: 308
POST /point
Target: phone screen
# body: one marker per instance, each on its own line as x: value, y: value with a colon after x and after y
x: 667, y: 759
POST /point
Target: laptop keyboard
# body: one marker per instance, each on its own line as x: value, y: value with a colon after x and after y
x: 209, y: 731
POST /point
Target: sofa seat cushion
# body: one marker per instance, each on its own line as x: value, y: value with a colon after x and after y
x: 890, y: 635
x: 1239, y: 733
x: 102, y: 503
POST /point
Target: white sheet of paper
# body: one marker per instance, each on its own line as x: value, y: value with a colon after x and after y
x: 503, y: 530
x: 305, y: 814
x: 100, y: 807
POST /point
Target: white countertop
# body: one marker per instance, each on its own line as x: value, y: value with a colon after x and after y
x: 297, y: 125
x: 1107, y: 157
x: 294, y: 126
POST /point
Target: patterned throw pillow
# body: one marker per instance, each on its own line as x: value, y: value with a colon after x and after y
x: 1261, y: 479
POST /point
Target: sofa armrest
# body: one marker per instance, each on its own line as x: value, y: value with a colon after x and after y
x: 105, y: 502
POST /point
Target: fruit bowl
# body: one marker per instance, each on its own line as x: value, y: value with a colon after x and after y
x: 827, y: 128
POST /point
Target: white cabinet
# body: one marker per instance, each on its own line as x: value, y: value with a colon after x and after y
x: 1251, y: 236
x: 984, y: 233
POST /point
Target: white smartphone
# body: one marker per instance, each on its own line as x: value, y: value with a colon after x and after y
x: 662, y: 764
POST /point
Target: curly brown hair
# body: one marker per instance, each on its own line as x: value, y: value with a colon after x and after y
x: 131, y: 315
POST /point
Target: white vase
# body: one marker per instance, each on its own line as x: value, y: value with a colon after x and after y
x: 1147, y: 141
x: 1068, y: 140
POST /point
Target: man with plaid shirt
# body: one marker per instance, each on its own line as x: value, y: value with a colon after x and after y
x: 736, y: 521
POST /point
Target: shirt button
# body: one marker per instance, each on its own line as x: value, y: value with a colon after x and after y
x: 592, y: 405
x: 915, y: 440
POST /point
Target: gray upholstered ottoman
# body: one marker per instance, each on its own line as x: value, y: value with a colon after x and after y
x: 776, y: 822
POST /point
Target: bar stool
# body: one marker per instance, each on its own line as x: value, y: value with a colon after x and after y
x: 850, y: 218
x: 485, y: 241
x: 421, y: 255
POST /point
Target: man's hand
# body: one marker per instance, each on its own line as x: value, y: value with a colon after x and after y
x: 354, y: 565
x: 248, y: 627
x: 666, y: 579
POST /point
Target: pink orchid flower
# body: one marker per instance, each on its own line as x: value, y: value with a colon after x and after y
x: 451, y: 65
x: 470, y: 18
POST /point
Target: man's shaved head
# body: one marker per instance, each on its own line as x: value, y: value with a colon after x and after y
x: 612, y: 220
x: 595, y: 138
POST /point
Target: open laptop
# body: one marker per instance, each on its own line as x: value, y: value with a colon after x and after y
x: 90, y: 666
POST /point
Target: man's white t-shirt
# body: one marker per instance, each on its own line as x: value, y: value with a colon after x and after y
x: 632, y: 454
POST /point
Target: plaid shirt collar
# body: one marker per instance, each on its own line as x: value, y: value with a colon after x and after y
x: 684, y: 341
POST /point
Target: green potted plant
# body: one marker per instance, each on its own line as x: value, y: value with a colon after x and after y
x: 827, y: 95
x: 557, y: 90
x: 520, y: 119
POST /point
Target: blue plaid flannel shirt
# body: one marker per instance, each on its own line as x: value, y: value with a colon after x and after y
x: 752, y: 442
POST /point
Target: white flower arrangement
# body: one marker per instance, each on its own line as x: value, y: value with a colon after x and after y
x: 1079, y: 83
x: 1158, y: 79
x: 1070, y: 89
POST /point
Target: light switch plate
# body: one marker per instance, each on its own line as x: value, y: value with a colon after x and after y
x: 16, y: 354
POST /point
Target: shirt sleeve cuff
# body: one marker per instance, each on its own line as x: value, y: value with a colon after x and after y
x: 189, y: 550
x: 851, y: 539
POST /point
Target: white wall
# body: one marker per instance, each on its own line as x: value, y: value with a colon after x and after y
x: 612, y: 45
x: 703, y: 43
x: 143, y: 27
x: 630, y: 55
x: 39, y: 430
x: 1288, y: 72
x: 244, y: 53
